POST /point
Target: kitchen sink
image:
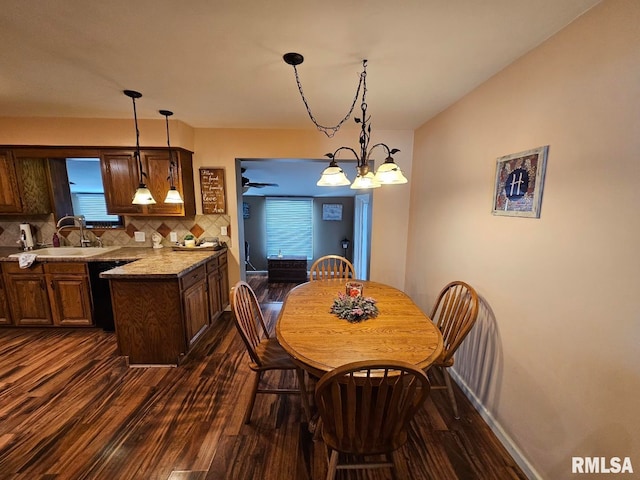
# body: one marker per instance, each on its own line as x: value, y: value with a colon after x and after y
x: 74, y: 252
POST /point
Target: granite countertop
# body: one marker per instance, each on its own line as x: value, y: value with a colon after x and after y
x: 146, y: 262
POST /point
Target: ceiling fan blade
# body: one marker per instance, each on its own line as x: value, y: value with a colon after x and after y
x: 262, y: 185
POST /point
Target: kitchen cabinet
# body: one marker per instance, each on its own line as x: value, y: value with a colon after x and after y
x: 24, y: 185
x: 218, y: 285
x: 51, y: 294
x: 120, y: 180
x: 158, y: 320
x: 5, y: 315
x: 27, y: 294
x: 69, y: 294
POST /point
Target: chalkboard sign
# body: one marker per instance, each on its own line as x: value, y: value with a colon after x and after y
x: 212, y: 190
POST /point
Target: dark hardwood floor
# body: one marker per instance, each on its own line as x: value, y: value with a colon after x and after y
x: 71, y: 409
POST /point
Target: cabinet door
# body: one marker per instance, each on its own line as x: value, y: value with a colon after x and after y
x: 5, y: 317
x: 9, y: 194
x: 213, y: 283
x: 223, y: 275
x: 120, y: 180
x: 28, y: 298
x: 69, y: 294
x: 156, y: 165
x: 196, y: 310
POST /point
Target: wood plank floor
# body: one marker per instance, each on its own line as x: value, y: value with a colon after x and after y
x: 71, y: 409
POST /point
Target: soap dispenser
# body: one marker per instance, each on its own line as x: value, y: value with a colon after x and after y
x: 56, y: 240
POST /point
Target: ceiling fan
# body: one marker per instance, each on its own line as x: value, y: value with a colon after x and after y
x: 247, y: 184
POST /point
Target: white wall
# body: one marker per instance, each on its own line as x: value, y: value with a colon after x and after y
x: 554, y: 357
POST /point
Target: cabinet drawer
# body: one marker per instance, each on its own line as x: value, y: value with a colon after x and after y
x: 75, y: 268
x: 14, y: 267
x: 193, y: 277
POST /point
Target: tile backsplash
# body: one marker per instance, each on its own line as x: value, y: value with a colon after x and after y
x: 43, y: 228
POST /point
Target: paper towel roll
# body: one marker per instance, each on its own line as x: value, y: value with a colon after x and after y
x: 26, y: 228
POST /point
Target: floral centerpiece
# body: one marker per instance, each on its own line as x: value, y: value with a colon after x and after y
x: 354, y: 308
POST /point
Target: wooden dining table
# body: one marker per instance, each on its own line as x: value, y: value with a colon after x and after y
x: 319, y: 341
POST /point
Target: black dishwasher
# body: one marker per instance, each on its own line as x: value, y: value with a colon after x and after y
x: 101, y: 293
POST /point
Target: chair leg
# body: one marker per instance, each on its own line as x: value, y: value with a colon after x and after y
x: 447, y: 380
x: 252, y: 399
x: 304, y: 394
x: 333, y: 465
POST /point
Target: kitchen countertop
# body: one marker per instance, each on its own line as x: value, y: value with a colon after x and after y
x: 146, y: 262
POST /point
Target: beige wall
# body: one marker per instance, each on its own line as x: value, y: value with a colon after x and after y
x: 554, y: 357
x: 220, y: 148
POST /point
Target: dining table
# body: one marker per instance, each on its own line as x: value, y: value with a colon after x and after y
x: 318, y: 341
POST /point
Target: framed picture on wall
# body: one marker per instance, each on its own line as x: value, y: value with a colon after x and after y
x: 332, y: 211
x: 519, y: 183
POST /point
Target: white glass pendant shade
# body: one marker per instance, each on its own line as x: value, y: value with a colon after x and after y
x: 143, y: 196
x: 173, y: 196
x: 390, y: 173
x: 333, y: 176
x: 365, y: 181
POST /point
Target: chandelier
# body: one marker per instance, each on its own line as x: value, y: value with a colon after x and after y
x: 333, y: 175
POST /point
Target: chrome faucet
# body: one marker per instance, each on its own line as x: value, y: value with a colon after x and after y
x: 77, y: 220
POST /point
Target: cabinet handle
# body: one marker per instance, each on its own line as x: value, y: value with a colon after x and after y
x: 53, y: 285
x: 42, y: 285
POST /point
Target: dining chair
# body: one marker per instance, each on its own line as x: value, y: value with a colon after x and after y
x: 365, y: 408
x: 454, y: 313
x: 264, y: 351
x: 331, y: 266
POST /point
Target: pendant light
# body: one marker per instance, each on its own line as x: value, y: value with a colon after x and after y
x: 143, y: 195
x: 173, y: 195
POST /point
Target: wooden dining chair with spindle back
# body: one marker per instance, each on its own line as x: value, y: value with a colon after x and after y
x: 454, y: 313
x: 331, y: 266
x: 264, y: 351
x: 365, y: 409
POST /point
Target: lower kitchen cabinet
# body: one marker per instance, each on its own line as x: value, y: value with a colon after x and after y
x: 158, y: 319
x: 69, y: 294
x: 218, y: 284
x: 5, y: 315
x: 27, y: 294
x: 46, y: 294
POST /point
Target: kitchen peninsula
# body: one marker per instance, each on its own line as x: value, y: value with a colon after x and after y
x: 163, y: 304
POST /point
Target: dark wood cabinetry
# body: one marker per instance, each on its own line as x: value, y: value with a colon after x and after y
x: 120, y: 180
x: 218, y: 284
x: 27, y: 293
x: 5, y: 315
x: 48, y: 294
x: 24, y: 185
x: 159, y: 318
x: 195, y: 303
x: 69, y: 294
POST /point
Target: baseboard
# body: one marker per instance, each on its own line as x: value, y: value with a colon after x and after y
x: 497, y: 429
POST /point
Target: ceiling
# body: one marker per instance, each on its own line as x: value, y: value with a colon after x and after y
x: 219, y: 63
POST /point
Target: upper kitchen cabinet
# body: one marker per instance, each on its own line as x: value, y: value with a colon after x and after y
x: 120, y: 179
x: 24, y: 185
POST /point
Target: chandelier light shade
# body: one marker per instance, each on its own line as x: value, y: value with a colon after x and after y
x: 333, y: 176
x: 173, y: 195
x: 388, y: 173
x: 143, y: 195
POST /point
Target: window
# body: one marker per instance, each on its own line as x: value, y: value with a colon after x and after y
x: 87, y: 192
x: 290, y: 226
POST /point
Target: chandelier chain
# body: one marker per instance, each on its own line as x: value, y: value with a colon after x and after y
x: 331, y: 131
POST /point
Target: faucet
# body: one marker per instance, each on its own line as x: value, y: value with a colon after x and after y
x: 79, y: 220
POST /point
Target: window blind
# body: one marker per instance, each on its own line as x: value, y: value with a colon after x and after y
x: 289, y: 226
x: 93, y: 206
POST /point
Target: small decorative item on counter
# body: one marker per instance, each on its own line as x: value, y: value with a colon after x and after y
x: 56, y: 240
x: 354, y: 289
x: 279, y: 253
x: 157, y: 240
x: 189, y: 241
x: 354, y: 309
